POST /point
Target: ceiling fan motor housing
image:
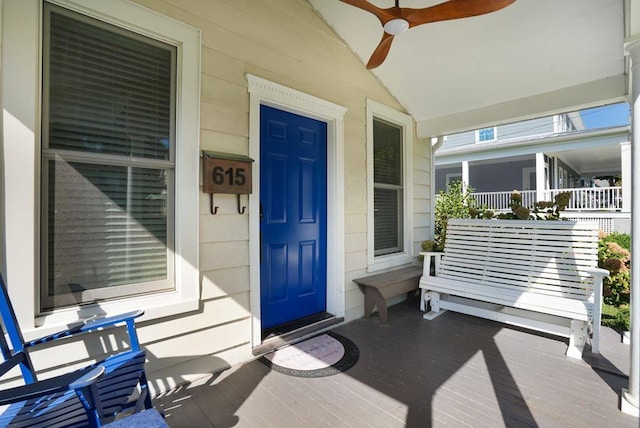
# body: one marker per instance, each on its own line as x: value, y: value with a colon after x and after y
x: 396, y: 26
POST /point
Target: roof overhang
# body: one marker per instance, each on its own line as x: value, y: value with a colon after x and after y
x: 549, y: 143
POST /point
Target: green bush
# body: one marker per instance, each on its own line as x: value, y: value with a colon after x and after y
x: 455, y: 203
x: 613, y: 256
x: 616, y: 317
x: 622, y: 239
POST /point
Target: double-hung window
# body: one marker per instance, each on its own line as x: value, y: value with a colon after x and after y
x: 390, y: 212
x: 111, y: 132
x: 388, y: 188
x: 108, y: 161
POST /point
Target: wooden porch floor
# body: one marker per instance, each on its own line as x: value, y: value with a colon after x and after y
x: 456, y: 370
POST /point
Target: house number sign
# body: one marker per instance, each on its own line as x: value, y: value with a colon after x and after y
x: 226, y: 173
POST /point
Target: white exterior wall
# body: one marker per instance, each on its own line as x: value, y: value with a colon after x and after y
x: 286, y: 42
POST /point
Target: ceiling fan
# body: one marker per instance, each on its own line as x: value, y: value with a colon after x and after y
x: 396, y: 20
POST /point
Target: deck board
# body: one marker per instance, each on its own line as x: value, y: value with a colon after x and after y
x: 456, y: 370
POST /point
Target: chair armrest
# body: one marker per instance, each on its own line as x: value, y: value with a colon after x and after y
x: 88, y: 379
x: 11, y: 362
x: 67, y: 382
x: 92, y: 325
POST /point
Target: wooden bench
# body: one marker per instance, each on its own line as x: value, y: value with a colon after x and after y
x: 541, y: 275
x: 383, y: 286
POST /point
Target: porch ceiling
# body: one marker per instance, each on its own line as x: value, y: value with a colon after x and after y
x: 532, y: 58
x: 593, y: 160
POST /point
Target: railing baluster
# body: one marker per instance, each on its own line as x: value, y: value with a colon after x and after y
x: 590, y: 198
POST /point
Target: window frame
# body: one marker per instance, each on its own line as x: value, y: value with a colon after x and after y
x: 397, y: 189
x: 21, y: 138
x: 495, y: 134
x: 48, y: 153
x: 405, y: 122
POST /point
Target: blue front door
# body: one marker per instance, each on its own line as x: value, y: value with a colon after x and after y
x: 293, y: 216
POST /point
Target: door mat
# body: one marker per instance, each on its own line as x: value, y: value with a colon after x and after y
x: 323, y: 355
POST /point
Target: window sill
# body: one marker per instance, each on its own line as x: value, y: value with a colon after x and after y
x: 390, y: 261
x: 155, y: 307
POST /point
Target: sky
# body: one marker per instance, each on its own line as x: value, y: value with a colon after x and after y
x: 601, y: 117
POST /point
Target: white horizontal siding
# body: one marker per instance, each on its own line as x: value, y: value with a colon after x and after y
x: 284, y: 41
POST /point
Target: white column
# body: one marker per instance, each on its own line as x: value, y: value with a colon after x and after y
x: 625, y: 174
x: 541, y: 179
x: 629, y: 402
x: 436, y: 143
x: 465, y: 175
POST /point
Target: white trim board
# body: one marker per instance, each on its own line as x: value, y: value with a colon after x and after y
x: 265, y: 92
x: 381, y: 111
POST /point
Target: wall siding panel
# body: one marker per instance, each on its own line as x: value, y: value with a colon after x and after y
x: 284, y: 41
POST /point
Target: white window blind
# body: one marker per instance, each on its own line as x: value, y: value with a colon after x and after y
x: 107, y: 161
x: 388, y: 188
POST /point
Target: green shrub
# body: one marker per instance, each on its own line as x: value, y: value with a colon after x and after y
x: 616, y: 317
x: 457, y: 202
x: 429, y: 246
x: 613, y: 256
x: 622, y: 239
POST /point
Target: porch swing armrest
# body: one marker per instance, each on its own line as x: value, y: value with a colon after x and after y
x: 598, y: 272
x: 426, y: 264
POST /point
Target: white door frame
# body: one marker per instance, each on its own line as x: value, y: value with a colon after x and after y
x: 264, y: 92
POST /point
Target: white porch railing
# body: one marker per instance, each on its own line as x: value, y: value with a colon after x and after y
x: 591, y: 198
x: 501, y: 201
x: 582, y: 199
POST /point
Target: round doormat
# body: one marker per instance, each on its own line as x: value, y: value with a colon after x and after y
x: 323, y: 355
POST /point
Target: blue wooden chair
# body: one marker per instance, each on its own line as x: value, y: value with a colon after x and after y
x: 91, y: 396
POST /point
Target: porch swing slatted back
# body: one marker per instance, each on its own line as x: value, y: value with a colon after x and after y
x: 537, y: 274
x: 541, y: 258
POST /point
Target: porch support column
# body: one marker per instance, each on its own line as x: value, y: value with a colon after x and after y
x: 541, y: 178
x: 465, y: 175
x: 436, y: 143
x: 625, y: 175
x: 629, y: 402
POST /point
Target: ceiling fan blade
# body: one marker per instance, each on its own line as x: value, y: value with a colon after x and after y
x: 455, y: 9
x: 382, y: 14
x: 378, y: 56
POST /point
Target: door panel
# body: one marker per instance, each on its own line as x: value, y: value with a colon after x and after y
x: 293, y: 225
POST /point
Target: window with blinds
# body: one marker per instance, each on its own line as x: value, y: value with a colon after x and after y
x: 108, y: 137
x: 387, y: 188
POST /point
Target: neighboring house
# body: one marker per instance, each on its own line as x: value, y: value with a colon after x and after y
x: 108, y: 106
x: 542, y: 157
